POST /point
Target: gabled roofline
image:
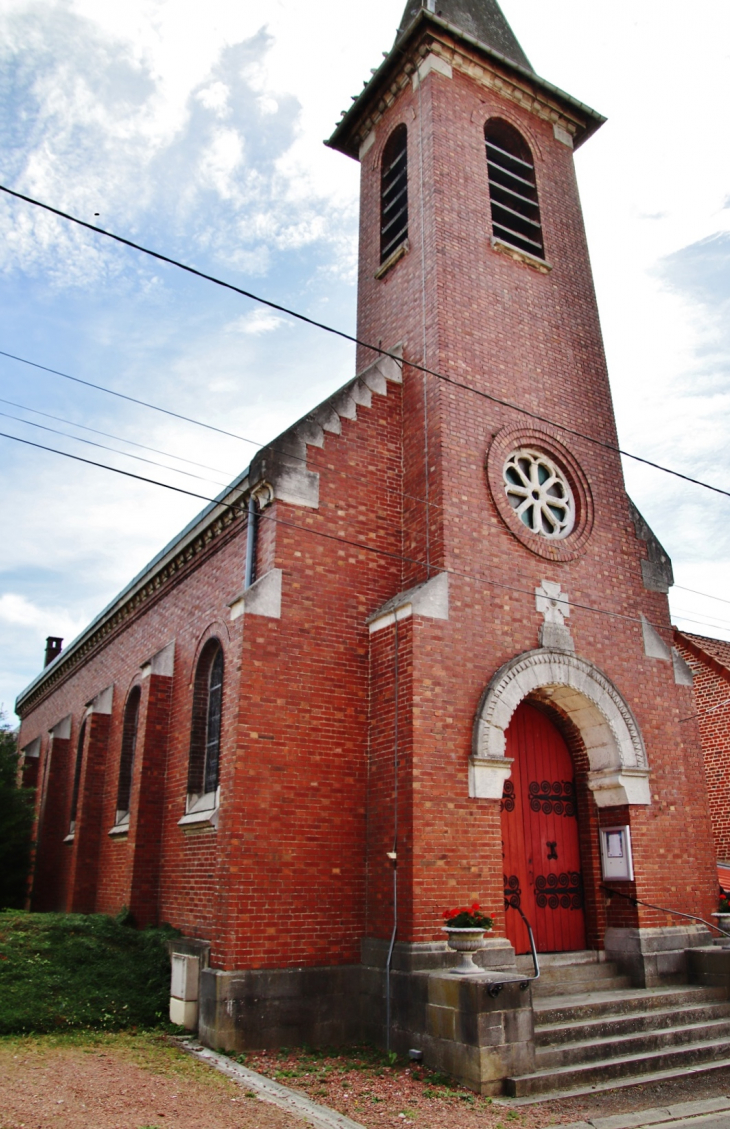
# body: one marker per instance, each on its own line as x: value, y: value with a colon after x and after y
x: 340, y: 138
x: 229, y: 498
x: 282, y: 463
x: 693, y: 644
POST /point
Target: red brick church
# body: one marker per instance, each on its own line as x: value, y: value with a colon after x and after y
x: 419, y: 653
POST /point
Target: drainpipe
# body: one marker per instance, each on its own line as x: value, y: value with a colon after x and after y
x: 251, y: 542
x: 393, y: 855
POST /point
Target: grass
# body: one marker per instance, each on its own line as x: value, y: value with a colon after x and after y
x: 64, y: 971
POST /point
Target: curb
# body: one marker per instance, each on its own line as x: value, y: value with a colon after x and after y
x: 320, y: 1116
x: 664, y: 1115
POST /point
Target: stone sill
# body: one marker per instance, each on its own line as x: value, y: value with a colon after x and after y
x: 520, y: 256
x: 392, y: 259
x: 119, y: 829
x: 70, y: 838
x: 198, y: 819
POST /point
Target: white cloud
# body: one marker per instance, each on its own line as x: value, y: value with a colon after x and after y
x: 17, y: 610
x: 257, y: 322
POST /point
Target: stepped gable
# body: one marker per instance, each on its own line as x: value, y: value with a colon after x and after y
x: 481, y: 19
x: 281, y: 465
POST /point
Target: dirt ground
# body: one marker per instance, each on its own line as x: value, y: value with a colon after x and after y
x: 121, y: 1082
x: 145, y: 1081
x: 362, y: 1086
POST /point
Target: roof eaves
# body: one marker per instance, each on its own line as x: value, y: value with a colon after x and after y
x: 337, y: 139
x: 694, y: 644
x: 191, y: 530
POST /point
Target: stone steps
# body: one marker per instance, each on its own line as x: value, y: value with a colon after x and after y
x: 558, y: 978
x: 620, y: 1036
x: 589, y: 1030
x: 632, y: 1045
x: 632, y: 1001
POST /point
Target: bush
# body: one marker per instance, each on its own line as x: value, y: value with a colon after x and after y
x: 59, y: 971
x: 16, y: 818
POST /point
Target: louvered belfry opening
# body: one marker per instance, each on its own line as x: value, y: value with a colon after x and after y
x: 394, y: 193
x: 512, y: 188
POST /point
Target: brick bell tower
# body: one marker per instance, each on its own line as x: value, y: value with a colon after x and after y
x: 525, y: 699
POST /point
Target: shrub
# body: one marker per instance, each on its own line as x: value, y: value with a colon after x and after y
x: 16, y: 818
x: 59, y: 971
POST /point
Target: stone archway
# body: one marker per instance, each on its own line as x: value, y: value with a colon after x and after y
x: 619, y: 773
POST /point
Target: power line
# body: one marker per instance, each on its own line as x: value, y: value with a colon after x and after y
x: 124, y: 396
x: 115, y: 470
x: 307, y: 460
x: 110, y: 435
x: 707, y: 594
x: 712, y: 621
x: 105, y: 447
x: 356, y: 341
x: 361, y: 546
x: 702, y: 713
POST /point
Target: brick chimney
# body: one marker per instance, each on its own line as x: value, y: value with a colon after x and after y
x: 54, y: 646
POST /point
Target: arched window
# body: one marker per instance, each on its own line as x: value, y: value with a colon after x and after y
x: 205, y: 738
x: 394, y: 193
x: 77, y: 779
x: 126, y: 762
x: 512, y: 188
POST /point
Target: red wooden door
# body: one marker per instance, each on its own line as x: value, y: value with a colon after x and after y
x: 542, y: 872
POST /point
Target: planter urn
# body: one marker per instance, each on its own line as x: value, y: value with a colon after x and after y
x: 465, y: 942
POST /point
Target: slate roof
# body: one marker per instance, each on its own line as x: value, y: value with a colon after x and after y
x: 481, y: 19
x: 717, y: 649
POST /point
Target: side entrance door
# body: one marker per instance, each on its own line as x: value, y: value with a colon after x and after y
x: 542, y: 872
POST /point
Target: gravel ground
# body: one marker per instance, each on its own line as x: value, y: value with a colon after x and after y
x: 121, y: 1082
x: 362, y: 1085
x: 145, y: 1081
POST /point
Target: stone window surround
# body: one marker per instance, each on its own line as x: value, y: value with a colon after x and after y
x: 619, y: 772
x: 507, y: 440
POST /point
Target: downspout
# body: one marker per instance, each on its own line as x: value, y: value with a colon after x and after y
x: 393, y: 855
x: 251, y: 531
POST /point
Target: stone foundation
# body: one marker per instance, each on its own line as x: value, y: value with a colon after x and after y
x: 652, y: 957
x: 476, y: 1037
x: 710, y: 967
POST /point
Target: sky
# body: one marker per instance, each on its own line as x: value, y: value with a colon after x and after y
x: 197, y: 129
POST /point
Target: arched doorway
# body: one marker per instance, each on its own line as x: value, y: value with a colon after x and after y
x: 540, y: 842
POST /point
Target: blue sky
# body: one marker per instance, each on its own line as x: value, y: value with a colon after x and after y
x: 197, y: 129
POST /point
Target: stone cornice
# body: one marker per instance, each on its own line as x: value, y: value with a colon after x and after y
x: 206, y: 533
x: 430, y: 34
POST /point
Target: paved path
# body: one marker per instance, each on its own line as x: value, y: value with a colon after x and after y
x: 714, y: 1113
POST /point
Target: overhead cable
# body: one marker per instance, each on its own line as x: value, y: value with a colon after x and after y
x: 360, y: 545
x: 357, y: 341
x: 110, y: 435
x: 113, y: 450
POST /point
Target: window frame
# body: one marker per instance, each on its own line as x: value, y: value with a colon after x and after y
x: 202, y: 803
x: 134, y: 701
x: 394, y: 151
x: 519, y: 196
x: 76, y: 785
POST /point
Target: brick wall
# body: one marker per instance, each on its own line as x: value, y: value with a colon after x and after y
x: 711, y: 694
x: 296, y: 872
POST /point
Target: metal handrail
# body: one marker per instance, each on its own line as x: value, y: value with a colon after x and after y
x: 663, y: 909
x: 524, y: 981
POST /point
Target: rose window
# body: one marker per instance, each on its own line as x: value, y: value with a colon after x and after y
x: 539, y: 493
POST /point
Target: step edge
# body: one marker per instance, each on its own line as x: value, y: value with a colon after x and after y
x: 549, y: 1028
x: 612, y: 1040
x: 615, y: 1084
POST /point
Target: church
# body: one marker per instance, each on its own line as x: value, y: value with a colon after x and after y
x: 417, y: 655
